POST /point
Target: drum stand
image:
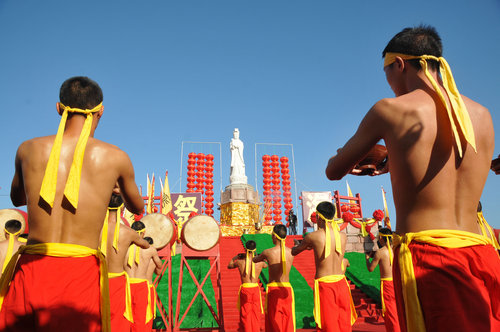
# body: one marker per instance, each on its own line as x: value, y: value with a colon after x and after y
x: 166, y: 314
x: 188, y: 253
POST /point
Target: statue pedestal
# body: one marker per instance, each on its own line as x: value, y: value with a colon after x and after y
x: 239, y: 206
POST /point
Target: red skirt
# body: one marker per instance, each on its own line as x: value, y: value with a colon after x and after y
x: 389, y: 304
x: 250, y: 306
x: 280, y: 308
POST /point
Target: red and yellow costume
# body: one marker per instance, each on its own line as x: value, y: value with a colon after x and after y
x: 120, y: 301
x: 333, y: 306
x: 447, y: 280
x: 280, y: 307
x: 141, y: 305
x: 389, y: 308
x: 250, y: 307
x: 55, y: 287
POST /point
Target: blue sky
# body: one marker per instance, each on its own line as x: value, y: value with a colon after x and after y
x: 291, y: 72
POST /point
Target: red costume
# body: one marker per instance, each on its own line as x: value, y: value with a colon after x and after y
x: 120, y: 302
x: 141, y: 301
x: 389, y: 308
x: 333, y: 306
x: 53, y: 294
x: 447, y: 281
x: 280, y: 307
x: 250, y: 306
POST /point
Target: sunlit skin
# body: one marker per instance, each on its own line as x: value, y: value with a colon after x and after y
x: 273, y: 258
x: 149, y: 259
x: 380, y: 258
x: 240, y: 264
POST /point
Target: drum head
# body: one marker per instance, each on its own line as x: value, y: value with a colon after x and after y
x: 8, y: 214
x: 200, y: 233
x: 159, y: 228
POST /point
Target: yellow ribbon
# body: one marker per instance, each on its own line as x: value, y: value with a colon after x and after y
x: 62, y: 250
x: 283, y: 284
x: 152, y: 287
x: 458, y: 114
x: 249, y: 264
x: 283, y: 253
x: 72, y: 187
x: 249, y: 285
x: 363, y: 224
x: 22, y: 239
x: 10, y: 248
x: 439, y: 237
x: 388, y: 245
x: 128, y: 297
x: 486, y: 230
x: 135, y: 252
x: 104, y: 235
x: 382, y: 294
x: 116, y: 235
x: 336, y: 234
x: 149, y: 311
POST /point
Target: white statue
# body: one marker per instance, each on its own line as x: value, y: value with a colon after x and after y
x: 237, y: 175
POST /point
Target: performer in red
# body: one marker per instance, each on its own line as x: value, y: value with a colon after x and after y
x: 383, y: 257
x: 249, y: 297
x: 333, y: 306
x: 280, y: 303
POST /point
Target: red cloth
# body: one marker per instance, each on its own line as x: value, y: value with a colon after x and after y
x: 152, y: 291
x: 139, y: 292
x: 250, y: 309
x: 53, y: 294
x: 280, y: 316
x: 335, y: 306
x: 458, y: 289
x: 391, y: 312
x: 117, y: 289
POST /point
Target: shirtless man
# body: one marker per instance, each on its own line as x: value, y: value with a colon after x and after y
x: 333, y: 309
x: 437, y: 179
x: 137, y: 265
x: 383, y: 257
x: 119, y: 238
x: 66, y: 207
x: 280, y: 304
x: 249, y: 300
x: 11, y: 244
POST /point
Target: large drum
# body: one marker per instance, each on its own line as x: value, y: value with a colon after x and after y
x: 200, y: 233
x: 160, y: 228
x: 9, y: 214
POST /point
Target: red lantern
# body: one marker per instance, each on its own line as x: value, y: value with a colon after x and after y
x: 344, y: 208
x: 354, y: 208
x: 266, y: 157
x: 378, y: 215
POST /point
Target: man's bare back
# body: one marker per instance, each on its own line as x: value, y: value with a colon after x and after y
x: 239, y: 262
x: 147, y: 256
x: 273, y: 258
x: 380, y: 258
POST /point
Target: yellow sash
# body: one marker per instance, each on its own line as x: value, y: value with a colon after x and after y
x: 117, y: 227
x: 336, y: 234
x: 104, y: 236
x: 486, y: 230
x: 284, y: 285
x: 135, y: 253
x: 128, y: 297
x: 72, y: 187
x: 10, y: 248
x: 249, y: 285
x: 283, y: 252
x: 458, y: 115
x: 382, y: 294
x: 438, y: 237
x: 388, y: 245
x: 62, y: 250
x: 149, y: 311
x: 317, y: 304
x: 249, y: 264
x: 153, y: 308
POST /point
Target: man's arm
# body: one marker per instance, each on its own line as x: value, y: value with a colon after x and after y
x: 157, y: 261
x: 232, y: 264
x: 139, y: 241
x: 369, y: 132
x: 128, y: 187
x: 304, y: 245
x: 261, y: 258
x: 373, y: 264
x: 17, y: 193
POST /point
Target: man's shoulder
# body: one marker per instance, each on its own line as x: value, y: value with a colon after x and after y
x: 36, y: 143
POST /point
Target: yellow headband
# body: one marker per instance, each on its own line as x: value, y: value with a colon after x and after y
x: 72, y: 187
x: 10, y: 248
x: 458, y: 115
x: 336, y: 234
x: 283, y: 255
x: 135, y: 253
x: 388, y: 245
x: 249, y: 263
x: 117, y: 226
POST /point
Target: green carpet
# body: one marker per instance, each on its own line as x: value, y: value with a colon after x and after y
x: 199, y: 315
x: 368, y: 282
x: 304, y: 318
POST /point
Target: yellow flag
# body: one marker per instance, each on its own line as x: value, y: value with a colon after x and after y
x: 127, y: 215
x: 151, y: 195
x: 166, y: 201
x: 349, y: 192
x: 386, y: 210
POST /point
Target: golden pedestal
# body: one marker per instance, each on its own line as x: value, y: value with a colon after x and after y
x: 240, y: 230
x: 239, y: 214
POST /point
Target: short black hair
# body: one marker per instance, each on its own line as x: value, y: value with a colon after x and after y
x: 115, y: 201
x: 149, y: 239
x: 280, y: 230
x: 138, y: 226
x: 420, y: 40
x: 13, y: 226
x: 24, y: 236
x: 80, y: 92
x: 250, y: 245
x: 327, y: 209
x: 386, y: 231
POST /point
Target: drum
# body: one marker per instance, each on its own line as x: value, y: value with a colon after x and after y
x: 160, y: 228
x: 8, y: 214
x: 200, y: 233
x: 374, y: 160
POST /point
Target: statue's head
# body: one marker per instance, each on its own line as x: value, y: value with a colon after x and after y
x: 236, y: 133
